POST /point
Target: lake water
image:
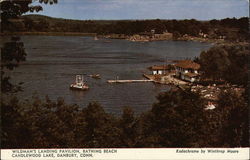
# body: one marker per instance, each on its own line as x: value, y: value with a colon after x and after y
x: 53, y: 61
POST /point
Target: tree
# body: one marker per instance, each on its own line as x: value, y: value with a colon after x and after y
x: 176, y: 35
x: 129, y: 128
x: 101, y: 130
x: 214, y: 62
x: 15, y: 8
x: 234, y: 110
x: 227, y: 62
x: 237, y: 72
x: 177, y: 120
x: 12, y: 54
x: 38, y: 124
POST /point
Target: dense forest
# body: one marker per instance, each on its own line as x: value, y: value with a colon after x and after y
x: 231, y: 29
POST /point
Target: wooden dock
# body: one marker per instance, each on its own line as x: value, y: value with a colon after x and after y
x: 129, y: 81
x: 166, y: 79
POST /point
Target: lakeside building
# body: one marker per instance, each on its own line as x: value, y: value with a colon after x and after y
x: 159, y: 69
x: 187, y: 70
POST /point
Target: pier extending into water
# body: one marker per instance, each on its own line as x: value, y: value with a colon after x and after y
x: 129, y: 81
x: 166, y: 79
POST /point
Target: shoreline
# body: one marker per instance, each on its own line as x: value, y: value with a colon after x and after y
x: 194, y: 39
x: 48, y: 34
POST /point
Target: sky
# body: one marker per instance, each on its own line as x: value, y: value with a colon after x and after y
x: 147, y: 9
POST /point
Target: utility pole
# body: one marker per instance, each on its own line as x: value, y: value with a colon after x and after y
x: 165, y: 65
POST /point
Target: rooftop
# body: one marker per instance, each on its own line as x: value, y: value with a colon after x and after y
x: 188, y: 64
x: 160, y: 67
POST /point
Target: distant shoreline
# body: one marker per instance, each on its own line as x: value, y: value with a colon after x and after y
x: 49, y: 33
x: 195, y: 39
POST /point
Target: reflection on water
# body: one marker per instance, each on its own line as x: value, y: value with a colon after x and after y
x: 53, y: 61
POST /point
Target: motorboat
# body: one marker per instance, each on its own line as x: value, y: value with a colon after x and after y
x: 96, y: 76
x: 79, y: 84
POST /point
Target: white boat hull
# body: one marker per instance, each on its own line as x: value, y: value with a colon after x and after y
x: 77, y: 87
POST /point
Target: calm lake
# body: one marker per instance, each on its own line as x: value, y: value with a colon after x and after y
x: 53, y: 61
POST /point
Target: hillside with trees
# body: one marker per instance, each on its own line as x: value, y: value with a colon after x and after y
x: 230, y: 29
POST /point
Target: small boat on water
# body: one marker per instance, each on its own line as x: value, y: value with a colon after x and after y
x: 96, y: 76
x: 79, y: 84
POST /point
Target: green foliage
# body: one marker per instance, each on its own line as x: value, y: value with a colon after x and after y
x: 37, y: 125
x: 101, y: 129
x: 214, y: 62
x: 15, y: 8
x: 12, y: 9
x: 12, y: 53
x: 237, y: 127
x: 128, y: 124
x: 177, y: 120
x: 176, y: 35
x: 232, y: 28
x: 229, y: 122
x: 228, y: 62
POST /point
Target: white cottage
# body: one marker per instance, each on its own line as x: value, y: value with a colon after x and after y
x: 159, y: 70
x: 187, y: 70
